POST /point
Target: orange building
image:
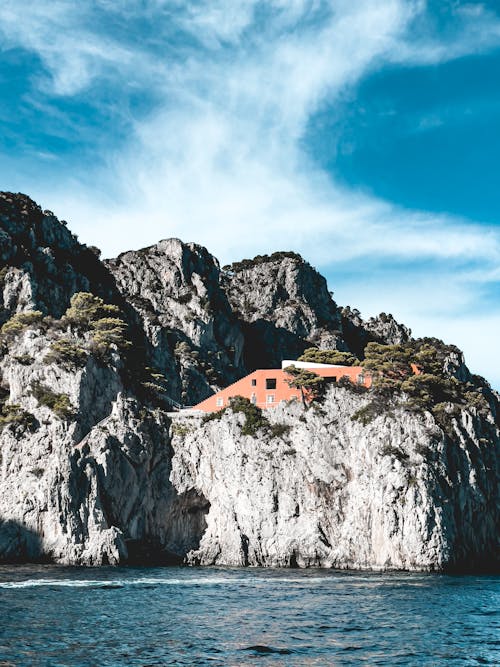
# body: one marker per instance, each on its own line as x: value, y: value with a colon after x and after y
x: 266, y: 388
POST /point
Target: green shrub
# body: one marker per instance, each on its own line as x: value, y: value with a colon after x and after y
x: 426, y: 390
x: 24, y: 359
x: 254, y: 418
x: 153, y: 388
x: 382, y: 402
x: 15, y: 415
x: 85, y: 308
x: 21, y: 321
x: 353, y: 387
x: 262, y: 259
x: 278, y: 430
x: 66, y: 353
x: 366, y: 414
x: 182, y: 349
x: 315, y: 355
x: 390, y: 364
x: 211, y: 416
x: 58, y: 403
x: 433, y: 388
x: 311, y: 385
x: 109, y: 331
x: 180, y: 429
x: 477, y: 400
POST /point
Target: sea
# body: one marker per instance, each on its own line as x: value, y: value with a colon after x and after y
x: 55, y: 616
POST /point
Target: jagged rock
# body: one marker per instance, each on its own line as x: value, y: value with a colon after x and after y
x: 398, y: 493
x: 43, y: 262
x: 194, y: 336
x: 384, y: 329
x: 92, y: 472
x: 81, y: 492
x: 285, y: 306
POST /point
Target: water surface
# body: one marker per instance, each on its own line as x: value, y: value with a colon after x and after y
x: 53, y: 616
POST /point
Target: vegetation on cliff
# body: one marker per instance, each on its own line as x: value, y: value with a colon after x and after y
x: 244, y: 264
x: 335, y: 357
x: 421, y: 375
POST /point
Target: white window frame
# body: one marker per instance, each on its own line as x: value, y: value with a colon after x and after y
x: 270, y: 398
x: 220, y: 402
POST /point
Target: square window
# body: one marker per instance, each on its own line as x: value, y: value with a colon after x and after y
x: 270, y: 398
x: 271, y: 383
x: 254, y: 382
x: 220, y: 402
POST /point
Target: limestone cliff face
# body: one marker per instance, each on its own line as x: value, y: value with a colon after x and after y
x: 193, y: 333
x: 93, y: 471
x: 42, y: 263
x: 284, y: 305
x: 90, y: 485
x: 357, y: 332
x: 397, y: 493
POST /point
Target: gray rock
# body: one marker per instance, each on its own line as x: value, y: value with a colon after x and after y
x: 398, y: 493
x: 101, y: 475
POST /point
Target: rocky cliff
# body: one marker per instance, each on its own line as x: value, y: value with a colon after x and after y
x: 328, y: 491
x: 95, y: 468
x: 192, y: 331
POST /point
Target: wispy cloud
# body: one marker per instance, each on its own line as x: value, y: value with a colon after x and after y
x: 219, y: 158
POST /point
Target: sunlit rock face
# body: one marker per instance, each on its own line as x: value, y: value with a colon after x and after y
x: 90, y: 487
x: 398, y: 493
x: 95, y: 469
x: 192, y: 331
x: 42, y: 263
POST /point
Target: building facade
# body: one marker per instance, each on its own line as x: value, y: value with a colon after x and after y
x: 267, y: 387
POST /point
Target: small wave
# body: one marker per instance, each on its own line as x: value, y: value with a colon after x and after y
x: 250, y: 581
x: 140, y: 581
x: 151, y: 581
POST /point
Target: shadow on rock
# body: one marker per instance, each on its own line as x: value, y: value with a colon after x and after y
x: 20, y: 544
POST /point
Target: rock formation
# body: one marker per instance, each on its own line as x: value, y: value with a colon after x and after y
x: 398, y: 493
x: 95, y: 469
x: 192, y: 331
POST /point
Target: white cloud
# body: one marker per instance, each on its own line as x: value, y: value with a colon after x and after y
x: 220, y: 160
x: 66, y: 37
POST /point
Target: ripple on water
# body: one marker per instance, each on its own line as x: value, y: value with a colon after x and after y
x: 176, y: 616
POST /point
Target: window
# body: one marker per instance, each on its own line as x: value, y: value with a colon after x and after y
x: 361, y: 378
x: 220, y: 402
x: 254, y: 399
x: 270, y: 383
x: 270, y: 398
x: 254, y: 382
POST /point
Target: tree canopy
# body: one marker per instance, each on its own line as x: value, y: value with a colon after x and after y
x: 310, y: 384
x: 317, y: 356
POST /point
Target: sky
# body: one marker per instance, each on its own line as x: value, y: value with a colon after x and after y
x: 364, y: 135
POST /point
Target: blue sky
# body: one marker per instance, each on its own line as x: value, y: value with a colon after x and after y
x: 362, y: 134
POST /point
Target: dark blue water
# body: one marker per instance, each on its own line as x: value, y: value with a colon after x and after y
x: 178, y: 616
